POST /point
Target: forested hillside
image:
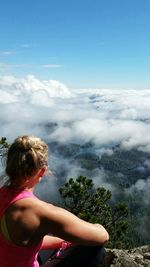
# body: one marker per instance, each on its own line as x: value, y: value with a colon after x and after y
x: 126, y: 172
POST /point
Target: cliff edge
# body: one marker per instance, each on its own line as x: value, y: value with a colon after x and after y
x: 137, y: 257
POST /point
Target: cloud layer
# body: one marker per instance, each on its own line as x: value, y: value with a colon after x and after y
x: 105, y: 117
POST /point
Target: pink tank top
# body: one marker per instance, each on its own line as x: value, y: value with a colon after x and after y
x: 12, y: 255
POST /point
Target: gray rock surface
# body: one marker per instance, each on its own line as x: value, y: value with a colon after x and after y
x: 137, y: 257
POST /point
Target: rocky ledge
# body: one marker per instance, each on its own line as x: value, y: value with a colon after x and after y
x: 137, y: 257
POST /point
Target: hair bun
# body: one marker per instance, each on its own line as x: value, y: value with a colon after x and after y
x: 24, y: 143
x: 26, y: 155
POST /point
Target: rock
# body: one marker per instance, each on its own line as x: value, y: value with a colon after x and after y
x: 147, y: 256
x: 137, y: 257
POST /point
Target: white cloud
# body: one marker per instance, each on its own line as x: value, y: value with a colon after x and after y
x: 29, y: 66
x: 7, y: 98
x: 26, y: 45
x: 4, y: 65
x: 48, y: 66
x: 106, y: 117
x: 25, y: 89
x: 7, y: 53
x: 143, y: 187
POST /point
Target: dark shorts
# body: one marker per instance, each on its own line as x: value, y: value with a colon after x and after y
x: 77, y: 256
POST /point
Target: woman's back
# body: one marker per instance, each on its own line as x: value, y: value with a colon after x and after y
x: 23, y: 255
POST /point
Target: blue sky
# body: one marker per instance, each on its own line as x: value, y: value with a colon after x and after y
x: 82, y: 43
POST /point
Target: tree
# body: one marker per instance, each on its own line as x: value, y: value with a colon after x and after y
x: 94, y: 205
x: 3, y: 146
x: 3, y: 152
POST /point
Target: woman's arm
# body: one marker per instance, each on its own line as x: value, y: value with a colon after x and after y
x: 53, y: 242
x: 69, y: 227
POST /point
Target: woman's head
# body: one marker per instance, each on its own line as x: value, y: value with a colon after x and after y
x: 26, y: 156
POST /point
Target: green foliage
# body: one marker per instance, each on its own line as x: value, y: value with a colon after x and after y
x: 87, y: 161
x: 3, y: 146
x: 94, y: 205
x: 3, y: 152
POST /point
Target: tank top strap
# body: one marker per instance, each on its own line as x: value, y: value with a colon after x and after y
x: 9, y: 196
x: 20, y: 195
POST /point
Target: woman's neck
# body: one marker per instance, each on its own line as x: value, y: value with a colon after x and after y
x: 20, y: 187
x: 27, y: 184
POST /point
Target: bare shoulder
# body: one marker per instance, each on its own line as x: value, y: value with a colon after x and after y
x: 35, y: 211
x: 25, y: 217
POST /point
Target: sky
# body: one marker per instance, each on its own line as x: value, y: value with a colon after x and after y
x: 82, y: 43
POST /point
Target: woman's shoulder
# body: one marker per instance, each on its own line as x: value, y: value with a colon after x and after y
x: 34, y: 206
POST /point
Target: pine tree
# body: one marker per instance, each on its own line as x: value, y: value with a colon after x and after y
x: 94, y: 205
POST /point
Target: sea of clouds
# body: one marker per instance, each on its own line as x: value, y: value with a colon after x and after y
x: 101, y: 116
x: 104, y: 117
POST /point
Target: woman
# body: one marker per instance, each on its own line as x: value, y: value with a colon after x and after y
x: 26, y: 221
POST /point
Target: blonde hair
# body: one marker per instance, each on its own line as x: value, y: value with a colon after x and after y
x: 25, y: 157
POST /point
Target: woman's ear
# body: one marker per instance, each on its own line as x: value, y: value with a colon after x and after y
x: 42, y: 171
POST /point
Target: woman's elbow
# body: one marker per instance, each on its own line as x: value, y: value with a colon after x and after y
x: 103, y: 234
x: 104, y: 237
